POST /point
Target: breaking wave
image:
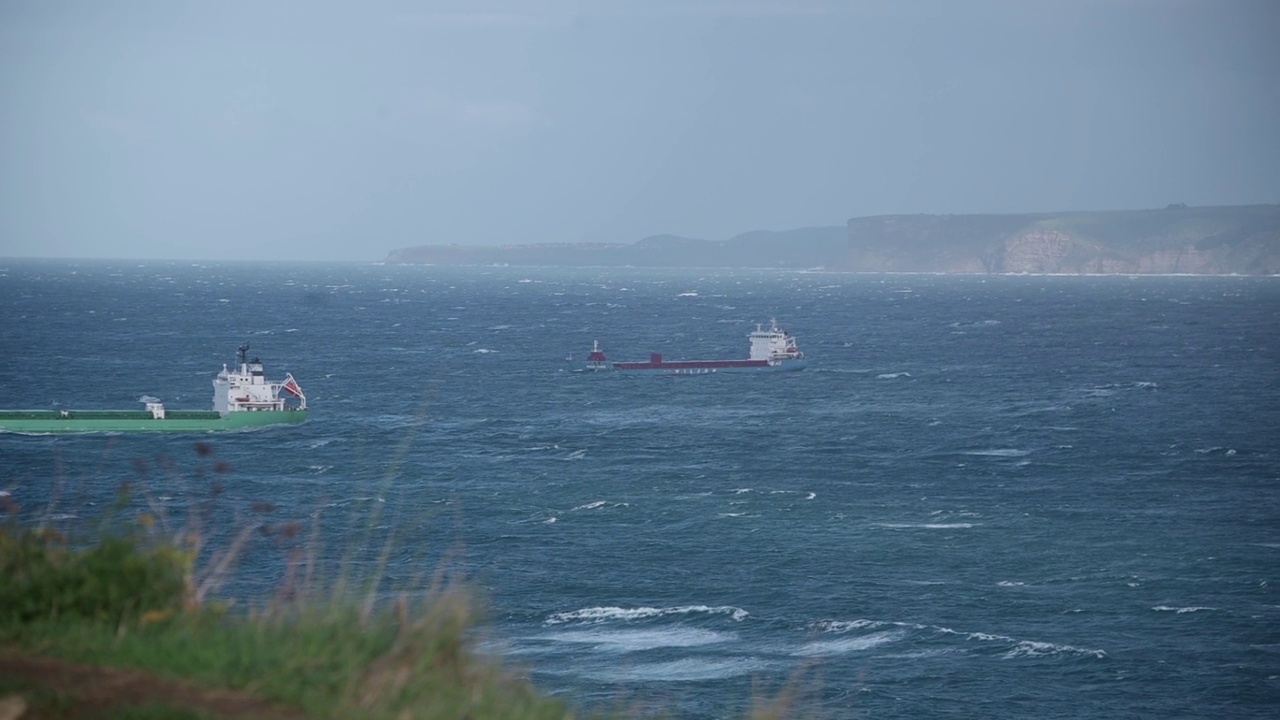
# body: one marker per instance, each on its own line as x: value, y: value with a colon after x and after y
x: 605, y: 614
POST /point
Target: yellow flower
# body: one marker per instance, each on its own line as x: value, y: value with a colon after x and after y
x: 156, y: 616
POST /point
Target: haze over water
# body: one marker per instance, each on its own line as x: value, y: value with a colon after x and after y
x: 1042, y: 497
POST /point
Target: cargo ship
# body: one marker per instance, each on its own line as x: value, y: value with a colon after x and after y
x: 242, y: 398
x: 772, y: 350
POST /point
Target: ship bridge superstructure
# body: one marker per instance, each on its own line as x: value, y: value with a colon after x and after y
x: 774, y: 344
x: 247, y: 389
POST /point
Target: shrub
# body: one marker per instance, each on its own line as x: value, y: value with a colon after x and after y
x: 116, y: 580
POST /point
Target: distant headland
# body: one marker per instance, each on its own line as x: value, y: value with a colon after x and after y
x: 1219, y: 240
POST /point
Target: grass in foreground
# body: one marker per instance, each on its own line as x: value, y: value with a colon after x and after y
x: 121, y: 628
x: 123, y: 604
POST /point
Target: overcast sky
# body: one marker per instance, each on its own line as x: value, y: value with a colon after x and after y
x: 337, y: 131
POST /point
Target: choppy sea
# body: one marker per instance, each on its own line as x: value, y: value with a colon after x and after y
x: 1048, y: 497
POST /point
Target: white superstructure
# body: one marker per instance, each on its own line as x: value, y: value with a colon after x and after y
x: 773, y: 344
x: 247, y: 389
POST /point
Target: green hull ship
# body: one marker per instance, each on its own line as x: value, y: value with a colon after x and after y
x: 53, y: 421
x: 242, y: 398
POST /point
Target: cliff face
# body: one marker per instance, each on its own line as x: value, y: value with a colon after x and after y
x: 1050, y: 251
x: 1243, y: 240
x: 924, y: 243
x: 1039, y: 251
x: 1177, y: 240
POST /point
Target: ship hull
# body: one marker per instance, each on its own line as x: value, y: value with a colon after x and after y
x: 701, y: 367
x: 772, y: 350
x: 40, y: 422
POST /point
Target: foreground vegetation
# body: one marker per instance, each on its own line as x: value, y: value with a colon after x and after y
x: 128, y: 604
x: 122, y: 627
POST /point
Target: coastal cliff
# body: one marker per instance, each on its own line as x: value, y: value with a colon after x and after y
x: 794, y: 249
x: 1241, y: 240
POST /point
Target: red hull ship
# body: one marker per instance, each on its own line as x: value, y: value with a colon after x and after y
x: 772, y: 350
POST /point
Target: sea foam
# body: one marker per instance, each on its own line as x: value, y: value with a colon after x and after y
x: 604, y: 614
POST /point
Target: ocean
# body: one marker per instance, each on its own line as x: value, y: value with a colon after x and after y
x: 987, y: 496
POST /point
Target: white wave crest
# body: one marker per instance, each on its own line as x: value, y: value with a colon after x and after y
x: 845, y: 645
x: 604, y: 614
x: 978, y: 323
x: 841, y: 626
x: 998, y: 452
x: 148, y: 398
x: 928, y: 526
x: 1017, y: 648
x: 1181, y: 610
x: 1027, y: 648
x: 590, y: 506
x: 891, y: 376
x: 684, y: 670
x: 632, y: 640
x: 1032, y: 648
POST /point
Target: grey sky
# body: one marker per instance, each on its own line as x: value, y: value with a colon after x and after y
x: 337, y: 131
